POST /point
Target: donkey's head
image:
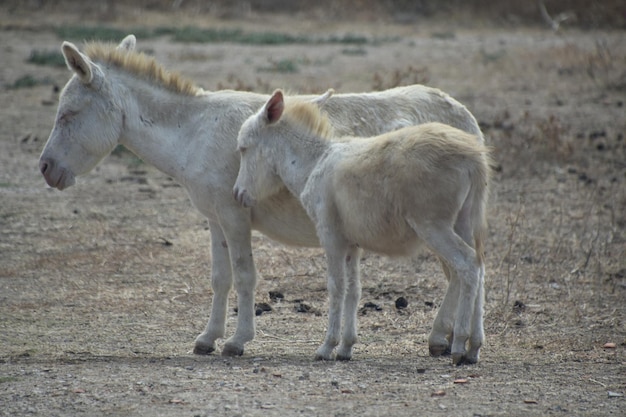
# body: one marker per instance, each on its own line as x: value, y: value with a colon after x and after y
x: 88, y: 122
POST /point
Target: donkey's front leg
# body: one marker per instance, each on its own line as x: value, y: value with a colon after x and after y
x: 221, y: 283
x: 336, y: 275
x: 351, y: 304
x: 238, y: 234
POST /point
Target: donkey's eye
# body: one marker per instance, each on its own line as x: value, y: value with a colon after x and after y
x: 64, y: 117
x: 242, y: 149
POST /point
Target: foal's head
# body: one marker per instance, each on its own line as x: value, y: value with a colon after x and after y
x: 260, y: 136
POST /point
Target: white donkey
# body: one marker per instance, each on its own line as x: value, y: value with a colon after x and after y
x: 118, y: 96
x: 388, y: 194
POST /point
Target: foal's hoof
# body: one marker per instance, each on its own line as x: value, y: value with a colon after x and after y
x: 439, y: 350
x: 202, y: 349
x: 231, y: 350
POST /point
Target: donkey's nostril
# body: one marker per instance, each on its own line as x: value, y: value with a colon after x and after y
x: 43, y: 167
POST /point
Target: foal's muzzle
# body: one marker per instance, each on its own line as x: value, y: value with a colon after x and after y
x: 243, y: 197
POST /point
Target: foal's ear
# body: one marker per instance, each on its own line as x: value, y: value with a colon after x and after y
x: 274, y: 107
x: 128, y: 43
x: 77, y: 62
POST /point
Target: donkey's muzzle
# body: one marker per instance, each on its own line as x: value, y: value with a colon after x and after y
x: 56, y: 176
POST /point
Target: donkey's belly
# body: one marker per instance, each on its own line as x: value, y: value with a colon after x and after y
x: 282, y: 218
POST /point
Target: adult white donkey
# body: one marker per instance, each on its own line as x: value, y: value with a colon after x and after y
x: 388, y: 193
x: 118, y: 96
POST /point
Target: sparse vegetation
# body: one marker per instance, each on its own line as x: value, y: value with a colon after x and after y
x: 49, y: 58
x: 285, y: 66
x: 406, y: 76
x: 28, y: 81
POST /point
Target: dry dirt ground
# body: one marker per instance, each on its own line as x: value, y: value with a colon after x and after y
x: 103, y: 287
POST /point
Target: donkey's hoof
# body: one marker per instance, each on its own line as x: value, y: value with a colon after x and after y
x: 203, y: 349
x: 232, y: 350
x: 459, y: 359
x: 439, y: 350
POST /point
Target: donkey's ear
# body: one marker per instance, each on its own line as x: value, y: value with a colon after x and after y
x: 321, y: 100
x: 128, y: 43
x: 77, y: 62
x: 274, y: 107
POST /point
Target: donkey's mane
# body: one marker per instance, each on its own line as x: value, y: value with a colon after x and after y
x: 309, y: 116
x: 141, y: 65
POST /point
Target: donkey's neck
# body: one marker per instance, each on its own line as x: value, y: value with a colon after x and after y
x: 298, y: 155
x: 166, y: 129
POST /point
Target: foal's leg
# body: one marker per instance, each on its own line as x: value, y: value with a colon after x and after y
x: 443, y: 326
x: 462, y: 259
x: 221, y: 283
x: 351, y: 304
x: 336, y: 272
x: 465, y: 229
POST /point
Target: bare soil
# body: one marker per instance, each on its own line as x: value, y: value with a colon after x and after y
x: 103, y: 287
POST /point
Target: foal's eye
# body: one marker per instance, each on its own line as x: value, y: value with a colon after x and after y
x: 242, y: 149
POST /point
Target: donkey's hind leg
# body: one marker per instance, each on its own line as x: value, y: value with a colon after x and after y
x: 461, y: 258
x: 351, y: 304
x: 477, y: 337
x: 443, y: 326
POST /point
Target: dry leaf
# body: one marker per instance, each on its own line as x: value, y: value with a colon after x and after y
x: 609, y: 345
x: 176, y: 401
x: 531, y: 402
x: 78, y: 391
x: 461, y: 381
x: 439, y: 393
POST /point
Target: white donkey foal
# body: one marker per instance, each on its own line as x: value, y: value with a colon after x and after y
x: 388, y: 194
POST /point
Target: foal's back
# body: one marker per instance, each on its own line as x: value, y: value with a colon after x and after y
x: 424, y: 171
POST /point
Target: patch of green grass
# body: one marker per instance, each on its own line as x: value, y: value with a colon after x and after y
x: 284, y: 66
x: 194, y: 34
x: 444, y: 35
x: 100, y: 33
x: 28, y: 81
x: 7, y: 379
x: 48, y: 58
x: 348, y: 39
x: 359, y: 51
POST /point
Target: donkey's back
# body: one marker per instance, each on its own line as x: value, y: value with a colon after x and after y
x: 369, y: 114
